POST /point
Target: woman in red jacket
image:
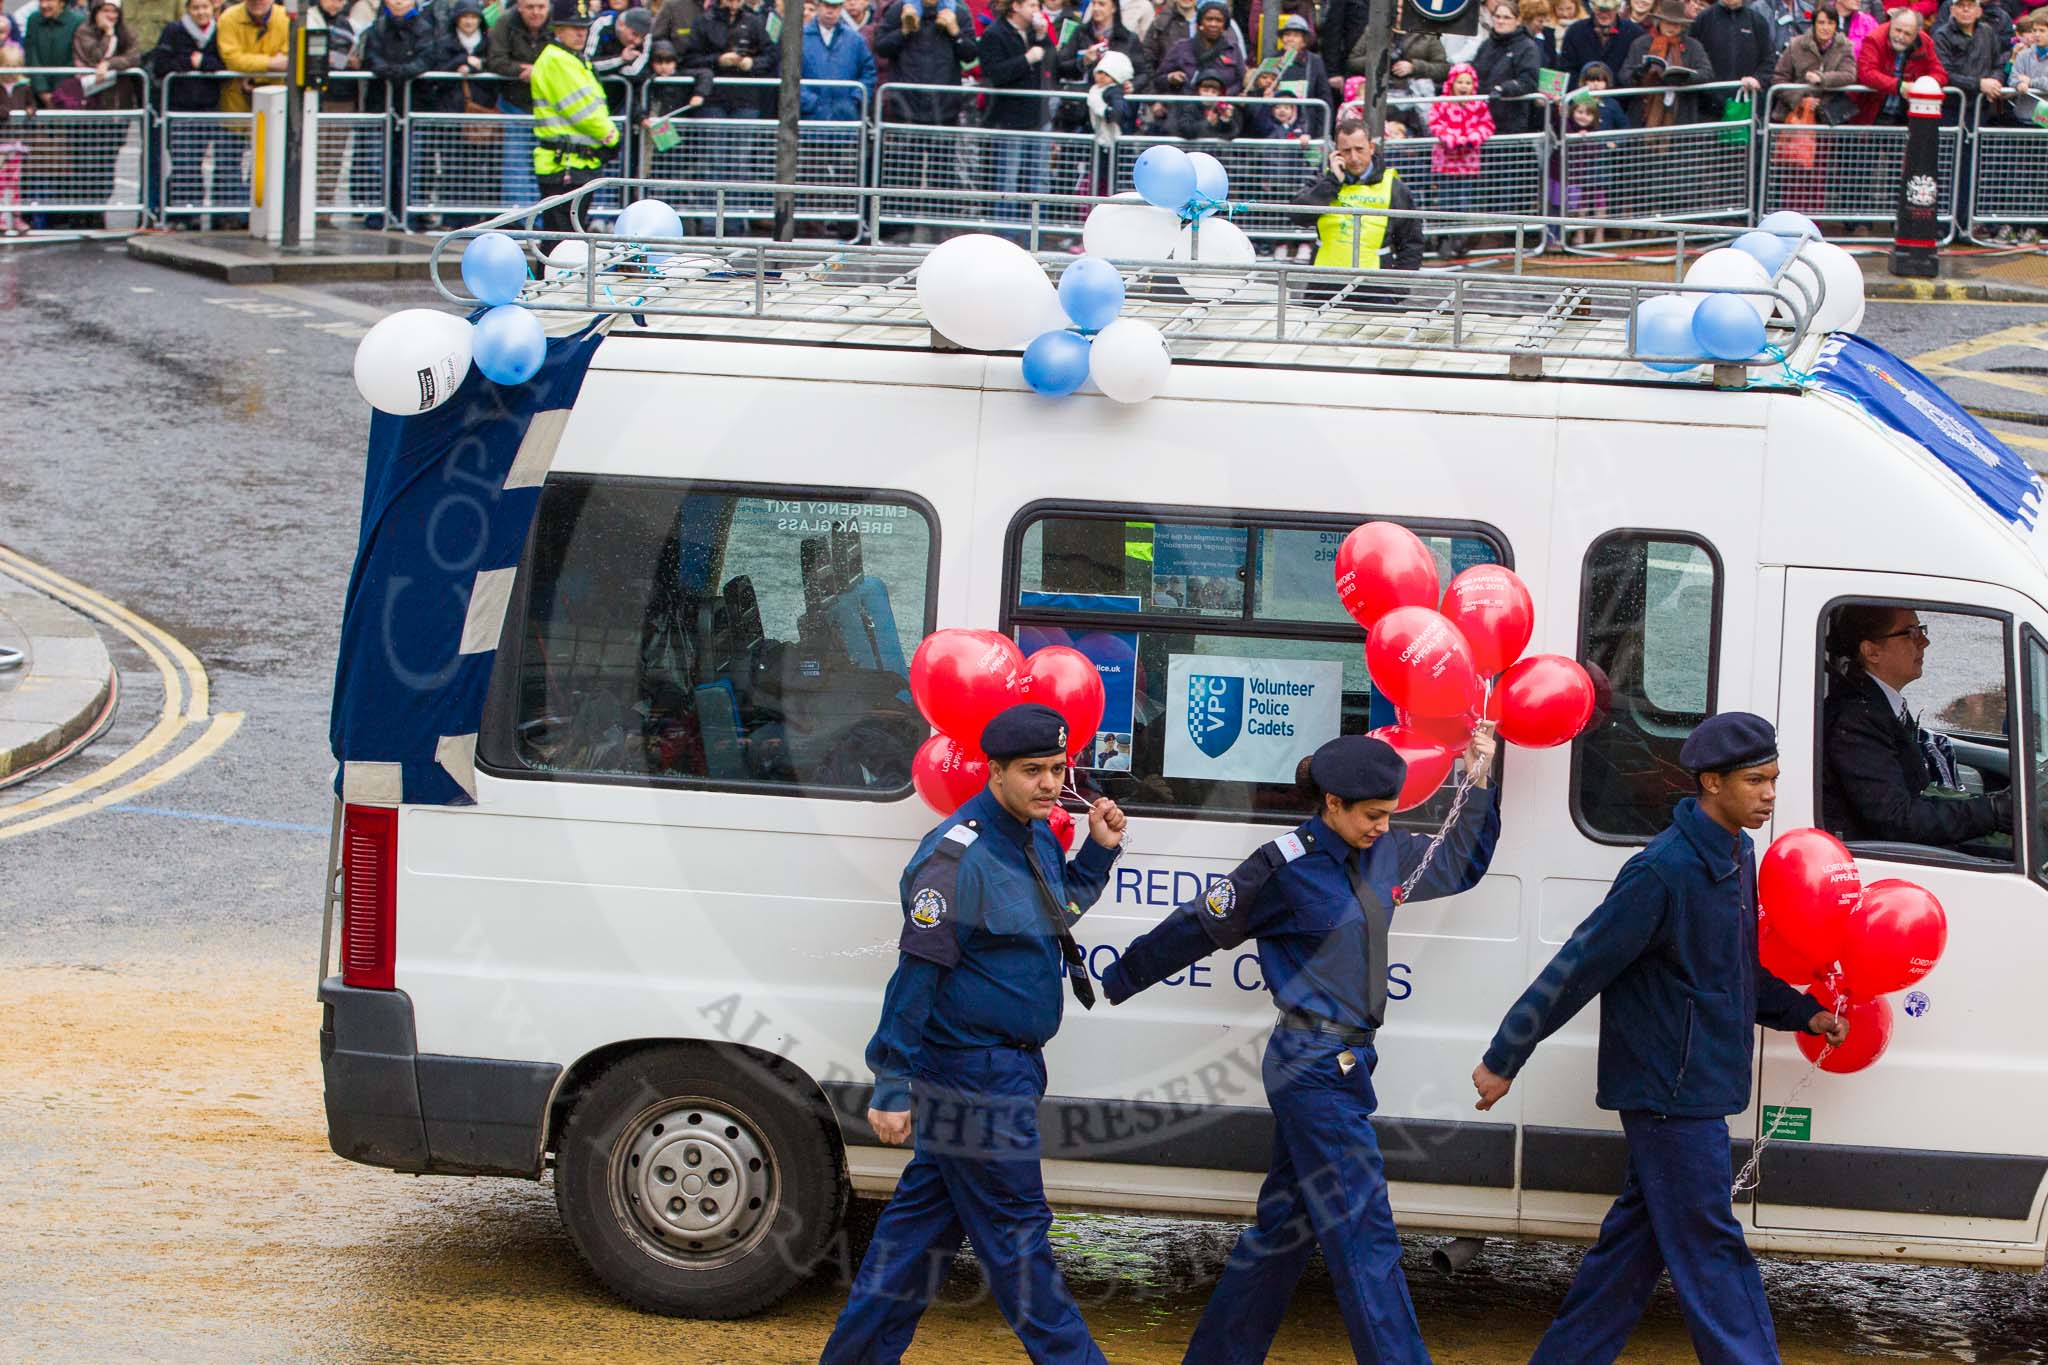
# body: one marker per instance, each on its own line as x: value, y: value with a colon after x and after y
x: 1892, y: 57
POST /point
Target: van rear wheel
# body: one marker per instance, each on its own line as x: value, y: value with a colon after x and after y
x: 698, y: 1184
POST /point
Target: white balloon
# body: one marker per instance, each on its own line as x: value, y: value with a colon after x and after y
x: 412, y: 361
x: 1129, y: 230
x: 986, y: 293
x: 1841, y: 309
x: 1222, y: 242
x: 1727, y: 268
x: 571, y: 257
x: 1799, y: 282
x: 1786, y: 223
x: 1128, y: 360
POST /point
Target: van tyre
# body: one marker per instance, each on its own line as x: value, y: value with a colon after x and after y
x: 699, y: 1184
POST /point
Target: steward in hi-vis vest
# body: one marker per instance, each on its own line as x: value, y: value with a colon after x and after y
x: 573, y: 133
x: 1355, y: 179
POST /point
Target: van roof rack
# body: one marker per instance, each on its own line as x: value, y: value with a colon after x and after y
x: 1269, y: 312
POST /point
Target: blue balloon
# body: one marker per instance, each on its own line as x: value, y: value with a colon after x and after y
x: 1092, y: 293
x: 508, y: 345
x: 1164, y: 177
x: 1727, y: 328
x: 1663, y: 326
x: 1212, y: 180
x: 1056, y: 364
x: 493, y: 268
x: 1767, y: 249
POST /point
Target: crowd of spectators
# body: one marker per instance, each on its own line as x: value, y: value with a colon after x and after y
x: 1192, y: 69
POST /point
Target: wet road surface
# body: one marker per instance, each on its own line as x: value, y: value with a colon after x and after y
x: 194, y: 451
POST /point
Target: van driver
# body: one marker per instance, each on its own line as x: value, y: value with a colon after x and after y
x: 1877, y: 763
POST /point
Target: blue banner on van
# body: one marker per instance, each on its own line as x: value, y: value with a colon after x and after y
x: 441, y: 533
x: 1903, y: 399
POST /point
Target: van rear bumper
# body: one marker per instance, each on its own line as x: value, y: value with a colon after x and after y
x: 389, y: 1105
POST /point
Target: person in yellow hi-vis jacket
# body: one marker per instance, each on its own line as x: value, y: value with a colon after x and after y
x: 573, y: 133
x: 1355, y: 179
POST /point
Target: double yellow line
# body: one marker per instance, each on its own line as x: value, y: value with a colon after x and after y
x: 185, y: 705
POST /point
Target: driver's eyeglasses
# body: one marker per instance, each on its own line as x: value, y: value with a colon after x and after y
x: 1917, y: 632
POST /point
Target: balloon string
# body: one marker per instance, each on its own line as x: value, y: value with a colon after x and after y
x: 1800, y: 377
x: 1751, y: 1174
x: 1471, y: 779
x: 1200, y: 204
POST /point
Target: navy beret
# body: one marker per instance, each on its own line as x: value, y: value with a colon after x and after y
x: 1731, y: 740
x: 1027, y: 730
x: 1359, y: 768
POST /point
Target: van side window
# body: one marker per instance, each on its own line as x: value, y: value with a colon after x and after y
x: 721, y: 635
x: 1649, y: 623
x: 1916, y: 733
x: 1222, y: 647
x: 2036, y: 750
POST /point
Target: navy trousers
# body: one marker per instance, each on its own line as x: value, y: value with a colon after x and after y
x: 1674, y: 1212
x: 975, y: 1173
x: 1328, y: 1188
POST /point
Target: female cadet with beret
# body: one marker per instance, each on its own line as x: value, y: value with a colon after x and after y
x: 1320, y: 900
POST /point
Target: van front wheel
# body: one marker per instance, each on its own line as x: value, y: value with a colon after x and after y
x: 698, y: 1184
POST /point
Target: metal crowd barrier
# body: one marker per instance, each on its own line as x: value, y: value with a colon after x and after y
x: 1510, y: 178
x: 719, y: 141
x: 73, y: 162
x: 1846, y: 176
x: 354, y: 147
x: 469, y: 164
x: 1682, y: 172
x: 203, y: 155
x: 2008, y: 175
x: 931, y: 137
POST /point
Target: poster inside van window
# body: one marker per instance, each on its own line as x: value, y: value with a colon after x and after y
x: 1115, y: 656
x: 1198, y: 568
x: 1232, y: 719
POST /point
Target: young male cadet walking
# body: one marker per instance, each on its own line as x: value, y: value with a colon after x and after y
x: 1321, y: 901
x: 1671, y: 953
x: 988, y: 903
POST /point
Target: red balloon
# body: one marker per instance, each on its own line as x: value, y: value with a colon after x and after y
x: 1870, y: 1033
x: 946, y: 773
x: 1542, y: 702
x: 1067, y: 681
x: 1806, y: 886
x: 1491, y: 606
x: 1429, y: 763
x: 1896, y: 934
x: 1381, y: 566
x: 1062, y: 822
x: 1421, y: 663
x: 1455, y: 732
x: 960, y: 679
x: 1781, y: 961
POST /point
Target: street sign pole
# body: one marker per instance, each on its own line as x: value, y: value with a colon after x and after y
x: 788, y: 106
x: 294, y: 124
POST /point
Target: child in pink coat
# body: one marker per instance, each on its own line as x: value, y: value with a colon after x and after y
x: 1460, y: 127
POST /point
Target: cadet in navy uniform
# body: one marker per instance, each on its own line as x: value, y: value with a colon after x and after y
x: 988, y: 903
x: 1319, y: 900
x: 1671, y: 953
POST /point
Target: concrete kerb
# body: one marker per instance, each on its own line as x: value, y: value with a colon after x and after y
x: 63, y: 690
x: 336, y: 254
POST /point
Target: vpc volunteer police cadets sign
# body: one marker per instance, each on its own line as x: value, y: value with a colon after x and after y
x: 1249, y: 720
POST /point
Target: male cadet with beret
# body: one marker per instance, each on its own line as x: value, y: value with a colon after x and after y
x: 989, y: 902
x: 1672, y: 955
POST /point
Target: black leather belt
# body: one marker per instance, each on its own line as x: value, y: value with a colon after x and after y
x: 1305, y: 1022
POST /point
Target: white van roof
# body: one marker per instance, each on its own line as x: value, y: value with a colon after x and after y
x: 1481, y: 323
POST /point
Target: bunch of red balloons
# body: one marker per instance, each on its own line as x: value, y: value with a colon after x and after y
x: 1432, y: 656
x: 1847, y: 944
x: 961, y: 679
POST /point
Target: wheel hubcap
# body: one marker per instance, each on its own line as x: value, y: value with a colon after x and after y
x: 695, y: 1181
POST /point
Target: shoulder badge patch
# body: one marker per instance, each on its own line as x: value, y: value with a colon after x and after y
x: 927, y: 908
x: 1290, y: 846
x: 1222, y: 899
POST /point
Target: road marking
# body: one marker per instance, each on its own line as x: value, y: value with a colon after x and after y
x: 326, y: 303
x: 186, y: 698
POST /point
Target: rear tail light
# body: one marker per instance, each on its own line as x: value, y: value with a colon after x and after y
x: 369, y: 890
